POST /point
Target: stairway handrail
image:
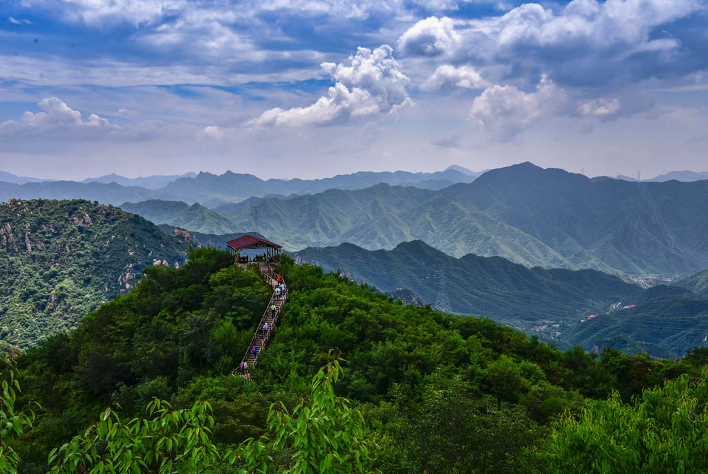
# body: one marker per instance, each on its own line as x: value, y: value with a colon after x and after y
x: 270, y: 280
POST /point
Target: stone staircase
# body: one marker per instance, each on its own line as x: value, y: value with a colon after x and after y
x: 260, y: 338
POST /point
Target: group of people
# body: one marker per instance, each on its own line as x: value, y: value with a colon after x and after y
x: 280, y: 291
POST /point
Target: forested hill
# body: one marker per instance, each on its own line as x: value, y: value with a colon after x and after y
x: 436, y: 393
x: 60, y: 260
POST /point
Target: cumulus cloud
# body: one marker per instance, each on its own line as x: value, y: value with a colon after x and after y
x: 371, y: 84
x: 56, y: 116
x: 507, y: 110
x: 430, y: 37
x: 451, y: 77
x: 595, y: 37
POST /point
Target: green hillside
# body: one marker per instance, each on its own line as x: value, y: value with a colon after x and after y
x: 432, y: 392
x: 697, y: 283
x: 195, y: 218
x: 60, y: 260
x: 526, y: 214
x: 533, y: 300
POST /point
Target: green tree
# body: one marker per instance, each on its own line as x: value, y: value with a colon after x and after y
x: 663, y: 432
x: 326, y: 437
x: 13, y: 423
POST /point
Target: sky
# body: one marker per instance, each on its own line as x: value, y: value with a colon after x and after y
x: 314, y: 88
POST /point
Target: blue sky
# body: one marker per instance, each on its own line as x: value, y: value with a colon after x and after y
x: 312, y: 88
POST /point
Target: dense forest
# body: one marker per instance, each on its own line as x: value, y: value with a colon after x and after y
x: 59, y: 260
x: 353, y: 381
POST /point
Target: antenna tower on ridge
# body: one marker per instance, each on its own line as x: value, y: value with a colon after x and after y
x: 254, y: 215
x: 442, y: 301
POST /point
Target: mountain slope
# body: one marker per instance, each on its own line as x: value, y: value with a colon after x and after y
x: 196, y: 217
x: 697, y: 283
x: 61, y: 259
x: 601, y: 223
x: 494, y: 287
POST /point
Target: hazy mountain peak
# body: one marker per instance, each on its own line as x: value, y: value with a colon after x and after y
x: 461, y: 169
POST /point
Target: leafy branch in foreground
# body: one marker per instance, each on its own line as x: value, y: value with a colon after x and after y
x: 13, y: 423
x: 166, y: 441
x: 326, y: 437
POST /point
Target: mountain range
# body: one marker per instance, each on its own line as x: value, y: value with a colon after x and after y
x: 212, y: 190
x: 567, y: 307
x: 529, y: 215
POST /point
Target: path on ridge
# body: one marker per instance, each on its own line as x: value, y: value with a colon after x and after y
x: 260, y: 339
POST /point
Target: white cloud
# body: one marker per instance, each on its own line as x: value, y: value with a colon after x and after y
x: 16, y: 21
x: 128, y: 113
x: 507, y: 110
x: 430, y: 37
x: 450, y: 77
x: 372, y: 84
x: 56, y: 116
x: 137, y: 12
x: 601, y: 107
x: 615, y: 28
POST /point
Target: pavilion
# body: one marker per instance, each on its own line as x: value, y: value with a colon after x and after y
x: 249, y: 242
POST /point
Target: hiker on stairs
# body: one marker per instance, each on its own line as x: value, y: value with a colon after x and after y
x: 273, y: 310
x: 265, y: 330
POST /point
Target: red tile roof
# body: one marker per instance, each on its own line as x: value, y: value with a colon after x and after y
x: 247, y: 240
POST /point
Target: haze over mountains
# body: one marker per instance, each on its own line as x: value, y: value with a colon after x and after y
x: 212, y: 190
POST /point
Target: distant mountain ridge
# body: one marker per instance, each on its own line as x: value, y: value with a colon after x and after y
x: 683, y: 176
x: 12, y: 178
x: 213, y: 190
x: 148, y: 182
x: 196, y: 217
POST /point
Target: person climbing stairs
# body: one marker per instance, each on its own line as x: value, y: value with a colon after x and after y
x: 268, y: 320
